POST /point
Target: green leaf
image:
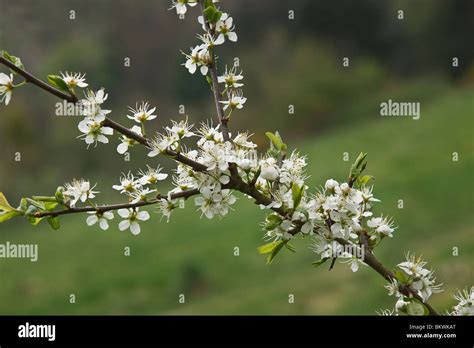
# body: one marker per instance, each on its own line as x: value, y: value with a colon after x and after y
x: 212, y: 14
x: 23, y: 205
x: 276, y: 141
x: 268, y: 248
x: 54, y: 222
x: 209, y: 80
x: 34, y: 220
x: 274, y: 252
x: 358, y: 166
x: 320, y: 262
x: 58, y: 82
x: 9, y: 215
x: 49, y: 206
x: 362, y: 180
x: 415, y: 308
x: 14, y: 60
x: 297, y: 194
x: 44, y: 198
x: 401, y: 277
x: 273, y: 221
x: 4, y: 205
x: 59, y: 194
x: 39, y: 205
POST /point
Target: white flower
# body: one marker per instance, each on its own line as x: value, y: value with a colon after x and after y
x: 354, y: 263
x: 160, y: 143
x: 151, y: 176
x: 78, y: 190
x: 393, y: 288
x: 422, y: 280
x: 215, y: 204
x: 214, y: 155
x: 226, y: 28
x: 235, y: 100
x: 331, y: 185
x: 242, y: 140
x: 142, y: 113
x: 101, y: 218
x: 130, y: 217
x: 209, y: 133
x: 465, y: 305
x: 193, y: 60
x: 269, y: 169
x: 140, y: 194
x: 128, y: 184
x: 381, y: 225
x: 127, y: 142
x: 181, y: 129
x: 98, y: 97
x: 94, y: 132
x: 231, y: 78
x: 6, y: 88
x: 74, y: 79
x: 211, y: 41
x: 180, y: 6
x: 91, y: 106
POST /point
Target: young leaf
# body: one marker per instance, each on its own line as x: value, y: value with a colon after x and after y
x: 297, y: 194
x: 34, y: 220
x: 212, y: 14
x: 273, y: 221
x: 362, y: 180
x: 276, y: 141
x: 14, y: 60
x: 9, y: 215
x: 320, y: 262
x: 267, y: 248
x: 274, y: 252
x: 54, y: 222
x: 58, y: 82
x: 401, y: 277
x: 4, y: 205
x: 415, y: 308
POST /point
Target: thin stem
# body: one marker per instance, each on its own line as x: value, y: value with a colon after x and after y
x: 104, y: 208
x: 377, y: 266
x: 36, y: 81
x: 107, y: 122
x: 223, y: 120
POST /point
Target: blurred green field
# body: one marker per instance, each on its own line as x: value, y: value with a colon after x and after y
x: 411, y: 160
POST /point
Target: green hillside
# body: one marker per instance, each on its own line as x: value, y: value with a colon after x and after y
x: 411, y: 160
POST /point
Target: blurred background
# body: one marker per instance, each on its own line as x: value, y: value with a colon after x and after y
x: 286, y: 62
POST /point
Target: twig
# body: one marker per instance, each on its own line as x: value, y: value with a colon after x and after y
x: 36, y: 81
x: 104, y: 208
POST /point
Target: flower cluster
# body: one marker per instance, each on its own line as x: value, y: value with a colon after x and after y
x: 465, y: 305
x: 419, y: 278
x: 412, y: 274
x: 137, y: 189
x: 78, y: 190
x: 92, y: 125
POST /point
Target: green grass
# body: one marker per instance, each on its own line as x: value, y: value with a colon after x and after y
x: 411, y: 160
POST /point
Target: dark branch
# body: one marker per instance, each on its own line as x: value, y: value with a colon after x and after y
x: 104, y: 208
x: 36, y: 81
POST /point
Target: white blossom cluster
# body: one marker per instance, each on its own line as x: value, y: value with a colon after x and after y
x: 342, y: 213
x: 465, y: 305
x: 78, y: 190
x: 412, y: 273
x: 92, y: 125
